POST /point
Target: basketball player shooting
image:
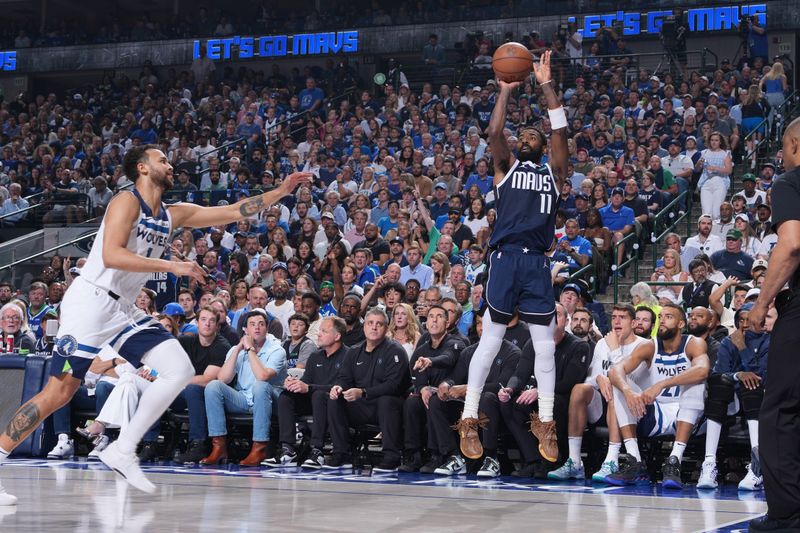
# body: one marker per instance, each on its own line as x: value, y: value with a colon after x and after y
x: 98, y: 309
x: 526, y: 197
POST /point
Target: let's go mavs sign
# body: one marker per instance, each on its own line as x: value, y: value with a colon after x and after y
x: 700, y: 19
x: 301, y: 44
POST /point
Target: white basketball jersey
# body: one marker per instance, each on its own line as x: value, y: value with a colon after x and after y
x: 666, y: 365
x: 148, y: 238
x: 603, y: 359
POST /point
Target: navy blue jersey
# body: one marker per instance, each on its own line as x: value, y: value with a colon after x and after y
x: 526, y: 202
x: 165, y: 285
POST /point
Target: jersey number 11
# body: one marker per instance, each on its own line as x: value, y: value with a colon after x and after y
x: 545, y: 204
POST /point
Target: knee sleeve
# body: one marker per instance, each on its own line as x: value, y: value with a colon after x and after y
x: 720, y: 389
x: 544, y: 366
x: 751, y: 401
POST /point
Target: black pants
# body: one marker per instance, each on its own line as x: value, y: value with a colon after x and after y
x: 490, y: 406
x: 291, y: 405
x: 442, y: 438
x: 779, y: 422
x: 386, y: 411
x: 414, y: 424
x: 517, y: 418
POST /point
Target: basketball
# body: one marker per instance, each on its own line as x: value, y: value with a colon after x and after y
x: 512, y: 62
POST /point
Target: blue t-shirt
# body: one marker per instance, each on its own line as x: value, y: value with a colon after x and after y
x: 308, y: 97
x: 617, y: 220
x: 485, y: 185
x: 580, y: 245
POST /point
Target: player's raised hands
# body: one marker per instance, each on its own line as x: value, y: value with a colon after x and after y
x: 542, y: 69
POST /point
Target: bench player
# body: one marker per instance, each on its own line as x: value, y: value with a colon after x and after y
x: 672, y: 401
x: 526, y: 198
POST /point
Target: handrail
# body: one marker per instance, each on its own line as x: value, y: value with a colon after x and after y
x: 634, y: 258
x: 580, y: 272
x: 45, y: 252
x: 42, y: 204
x: 199, y: 170
x: 668, y: 211
x: 765, y: 121
x: 48, y: 202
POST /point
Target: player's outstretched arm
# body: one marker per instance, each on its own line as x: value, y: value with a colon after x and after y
x: 195, y: 216
x: 559, y: 151
x: 121, y: 216
x: 501, y: 153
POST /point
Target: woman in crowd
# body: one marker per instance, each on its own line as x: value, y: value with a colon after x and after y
x: 146, y: 301
x: 716, y: 165
x: 669, y: 270
x: 404, y: 327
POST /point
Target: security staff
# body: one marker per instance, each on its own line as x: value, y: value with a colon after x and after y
x: 431, y: 363
x: 370, y: 386
x: 779, y: 426
x: 515, y: 402
x: 308, y: 395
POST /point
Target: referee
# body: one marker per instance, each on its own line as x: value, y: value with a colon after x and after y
x: 779, y: 422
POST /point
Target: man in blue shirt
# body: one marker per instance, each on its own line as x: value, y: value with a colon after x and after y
x: 482, y: 179
x: 619, y: 220
x: 732, y: 261
x: 311, y: 97
x: 577, y: 249
x: 600, y: 148
x: 258, y: 363
x: 415, y: 269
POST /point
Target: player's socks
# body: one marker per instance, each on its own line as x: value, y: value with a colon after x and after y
x: 713, y: 431
x: 632, y: 448
x: 575, y: 450
x: 613, y: 452
x: 677, y: 450
x: 752, y: 429
x: 471, y: 402
x: 544, y: 367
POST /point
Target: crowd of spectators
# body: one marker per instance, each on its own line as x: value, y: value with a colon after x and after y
x: 385, y: 251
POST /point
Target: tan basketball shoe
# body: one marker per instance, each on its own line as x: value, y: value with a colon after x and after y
x: 470, y: 442
x: 545, y: 433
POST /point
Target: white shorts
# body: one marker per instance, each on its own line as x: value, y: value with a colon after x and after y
x: 662, y: 417
x: 91, y: 319
x: 595, y: 409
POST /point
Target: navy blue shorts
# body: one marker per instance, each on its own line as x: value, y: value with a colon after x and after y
x: 519, y: 282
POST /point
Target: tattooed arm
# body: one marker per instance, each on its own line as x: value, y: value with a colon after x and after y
x: 195, y: 216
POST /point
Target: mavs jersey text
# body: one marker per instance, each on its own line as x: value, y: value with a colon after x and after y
x: 98, y: 309
x: 519, y: 272
x: 526, y: 202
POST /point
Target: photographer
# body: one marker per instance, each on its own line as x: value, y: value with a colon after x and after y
x: 757, y: 43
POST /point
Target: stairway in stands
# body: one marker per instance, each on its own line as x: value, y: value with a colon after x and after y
x: 645, y: 265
